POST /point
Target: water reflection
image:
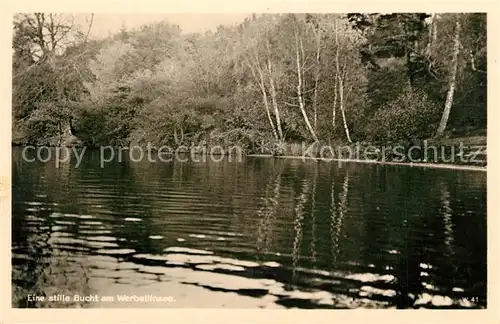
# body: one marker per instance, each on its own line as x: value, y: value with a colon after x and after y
x: 447, y: 214
x: 297, y: 223
x: 267, y: 213
x: 313, y: 218
x: 261, y: 233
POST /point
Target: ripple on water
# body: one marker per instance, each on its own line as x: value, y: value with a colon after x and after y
x: 208, y: 261
x: 157, y: 270
x: 94, y: 232
x: 60, y: 222
x: 368, y: 291
x: 221, y: 266
x: 101, y: 244
x: 127, y: 266
x: 441, y: 301
x: 210, y: 214
x: 188, y: 258
x: 177, y: 249
x: 33, y: 203
x: 115, y: 251
x: 61, y: 240
x: 271, y: 264
x: 132, y: 219
x: 153, y: 257
x: 101, y: 238
x: 198, y: 236
x: 102, y: 258
x: 102, y: 262
x: 370, y: 277
x: 92, y: 223
x: 69, y: 215
x: 436, y: 300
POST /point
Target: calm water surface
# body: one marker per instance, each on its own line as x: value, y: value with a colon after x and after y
x: 257, y: 233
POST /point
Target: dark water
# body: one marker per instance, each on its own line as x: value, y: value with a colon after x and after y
x: 260, y: 233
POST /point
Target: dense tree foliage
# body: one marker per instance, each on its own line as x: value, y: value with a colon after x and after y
x: 270, y: 79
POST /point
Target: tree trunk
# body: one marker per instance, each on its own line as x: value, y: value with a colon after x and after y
x: 316, y: 79
x: 274, y: 101
x: 273, y: 90
x: 432, y: 35
x: 60, y: 133
x: 176, y: 138
x: 434, y: 28
x: 337, y: 72
x: 90, y: 27
x: 260, y: 82
x: 266, y: 105
x: 341, y: 95
x: 67, y: 128
x: 299, y: 90
x: 334, y: 110
x: 340, y: 81
x: 453, y: 81
x: 409, y: 70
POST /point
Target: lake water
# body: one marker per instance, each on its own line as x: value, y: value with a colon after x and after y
x: 263, y: 232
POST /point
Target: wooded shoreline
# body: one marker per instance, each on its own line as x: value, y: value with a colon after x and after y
x: 271, y: 79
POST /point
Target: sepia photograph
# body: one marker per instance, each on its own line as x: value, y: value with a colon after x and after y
x: 249, y: 160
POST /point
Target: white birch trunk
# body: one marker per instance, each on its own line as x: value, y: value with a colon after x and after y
x: 316, y: 79
x: 299, y: 90
x: 453, y: 81
x: 335, y: 92
x: 340, y: 83
x: 342, y: 110
x: 260, y: 82
x: 274, y: 101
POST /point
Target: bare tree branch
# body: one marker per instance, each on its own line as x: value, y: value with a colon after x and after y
x: 90, y: 27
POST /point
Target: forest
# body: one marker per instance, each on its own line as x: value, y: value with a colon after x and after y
x: 269, y: 81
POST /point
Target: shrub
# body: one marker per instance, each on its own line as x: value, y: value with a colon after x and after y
x: 411, y: 114
x: 39, y: 131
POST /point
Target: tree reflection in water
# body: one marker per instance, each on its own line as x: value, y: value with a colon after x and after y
x: 274, y: 232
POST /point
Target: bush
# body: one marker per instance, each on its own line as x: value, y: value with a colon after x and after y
x: 39, y: 132
x: 411, y: 114
x: 107, y: 123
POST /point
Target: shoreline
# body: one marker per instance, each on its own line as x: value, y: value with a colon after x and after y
x: 409, y: 164
x: 434, y: 165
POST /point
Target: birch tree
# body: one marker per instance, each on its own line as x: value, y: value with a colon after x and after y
x: 340, y: 76
x: 299, y: 59
x: 293, y: 34
x: 257, y: 73
x: 452, y: 80
x: 259, y: 59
